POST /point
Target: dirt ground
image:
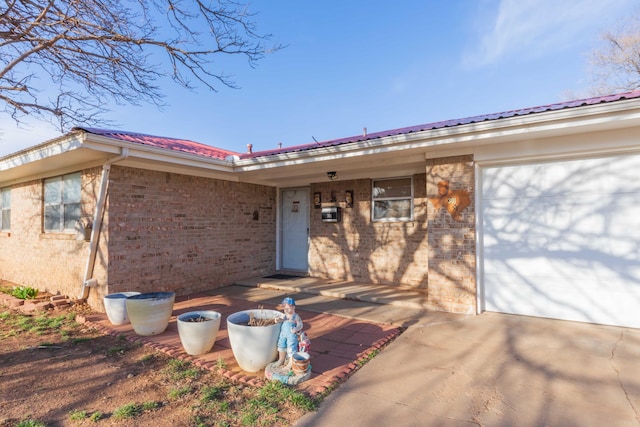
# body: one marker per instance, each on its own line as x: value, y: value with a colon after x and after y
x: 71, y: 375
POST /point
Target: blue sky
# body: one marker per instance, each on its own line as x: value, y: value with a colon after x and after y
x: 380, y: 65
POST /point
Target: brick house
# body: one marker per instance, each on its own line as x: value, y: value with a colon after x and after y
x: 530, y: 211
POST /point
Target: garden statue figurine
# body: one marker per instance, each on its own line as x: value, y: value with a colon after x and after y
x: 291, y: 326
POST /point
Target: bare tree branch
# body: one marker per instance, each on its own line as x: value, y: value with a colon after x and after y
x: 615, y: 67
x: 63, y: 60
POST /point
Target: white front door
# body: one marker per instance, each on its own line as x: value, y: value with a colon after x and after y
x: 295, y: 229
x: 562, y: 239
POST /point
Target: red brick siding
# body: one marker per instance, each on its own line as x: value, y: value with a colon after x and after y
x: 452, y: 246
x: 358, y: 249
x: 51, y: 262
x: 171, y: 232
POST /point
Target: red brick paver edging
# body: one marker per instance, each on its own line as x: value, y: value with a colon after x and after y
x: 339, y: 345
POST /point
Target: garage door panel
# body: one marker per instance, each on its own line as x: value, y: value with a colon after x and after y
x: 591, y: 176
x: 555, y: 297
x: 562, y: 240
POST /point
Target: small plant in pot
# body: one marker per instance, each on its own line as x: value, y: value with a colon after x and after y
x: 253, y: 335
x: 198, y: 330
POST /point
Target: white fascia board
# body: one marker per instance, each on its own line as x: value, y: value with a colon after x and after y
x: 48, y: 149
x: 153, y: 154
x: 534, y: 125
x: 605, y: 142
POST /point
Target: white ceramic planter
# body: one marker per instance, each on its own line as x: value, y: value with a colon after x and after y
x: 198, y: 337
x: 149, y: 313
x: 254, y: 347
x: 116, y: 307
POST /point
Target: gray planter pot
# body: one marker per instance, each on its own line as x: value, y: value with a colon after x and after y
x: 254, y: 347
x: 116, y: 307
x: 149, y: 313
x: 198, y: 337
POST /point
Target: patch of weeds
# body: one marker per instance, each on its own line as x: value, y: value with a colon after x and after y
x: 276, y: 392
x: 42, y: 324
x: 80, y: 340
x: 77, y: 415
x: 118, y: 349
x: 271, y: 398
x: 369, y: 356
x: 211, y: 393
x: 24, y: 292
x: 130, y: 410
x: 95, y: 417
x: 221, y: 363
x: 5, y: 315
x: 148, y: 406
x: 179, y: 369
x: 30, y: 423
x: 177, y: 393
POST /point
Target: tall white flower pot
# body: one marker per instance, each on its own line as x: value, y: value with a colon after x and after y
x: 116, y: 307
x: 149, y: 313
x: 254, y: 347
x: 198, y: 330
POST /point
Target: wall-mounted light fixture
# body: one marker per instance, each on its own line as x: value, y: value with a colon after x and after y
x: 332, y: 175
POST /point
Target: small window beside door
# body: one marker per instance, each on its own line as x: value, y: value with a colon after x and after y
x: 392, y: 199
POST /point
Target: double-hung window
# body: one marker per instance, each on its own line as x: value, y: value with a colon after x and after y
x: 5, y: 208
x: 62, y: 202
x: 392, y: 199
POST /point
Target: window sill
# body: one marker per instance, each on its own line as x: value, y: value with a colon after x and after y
x: 5, y: 234
x: 59, y: 236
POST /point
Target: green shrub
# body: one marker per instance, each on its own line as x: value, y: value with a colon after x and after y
x: 24, y: 292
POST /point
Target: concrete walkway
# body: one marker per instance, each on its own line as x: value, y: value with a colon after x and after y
x: 444, y: 369
x: 494, y: 370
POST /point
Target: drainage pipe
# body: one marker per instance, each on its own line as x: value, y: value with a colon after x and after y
x: 89, y: 281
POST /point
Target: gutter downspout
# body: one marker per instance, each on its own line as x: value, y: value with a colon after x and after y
x: 89, y: 281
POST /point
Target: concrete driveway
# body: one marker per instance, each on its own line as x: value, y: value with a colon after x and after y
x: 494, y: 370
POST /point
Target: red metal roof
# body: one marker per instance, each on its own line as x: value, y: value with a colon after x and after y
x: 183, y: 145
x: 448, y: 123
x: 217, y: 153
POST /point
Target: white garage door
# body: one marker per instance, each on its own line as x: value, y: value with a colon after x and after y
x: 562, y: 239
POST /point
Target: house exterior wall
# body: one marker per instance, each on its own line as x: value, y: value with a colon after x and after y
x: 433, y: 253
x: 452, y: 244
x: 51, y: 262
x: 358, y: 249
x: 172, y: 232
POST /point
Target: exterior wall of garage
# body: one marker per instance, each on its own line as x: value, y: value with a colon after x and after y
x: 452, y: 244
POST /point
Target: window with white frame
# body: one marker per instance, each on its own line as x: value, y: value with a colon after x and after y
x: 5, y: 208
x: 62, y: 202
x: 392, y: 199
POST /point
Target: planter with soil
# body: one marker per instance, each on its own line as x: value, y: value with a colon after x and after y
x: 198, y: 330
x: 253, y: 335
